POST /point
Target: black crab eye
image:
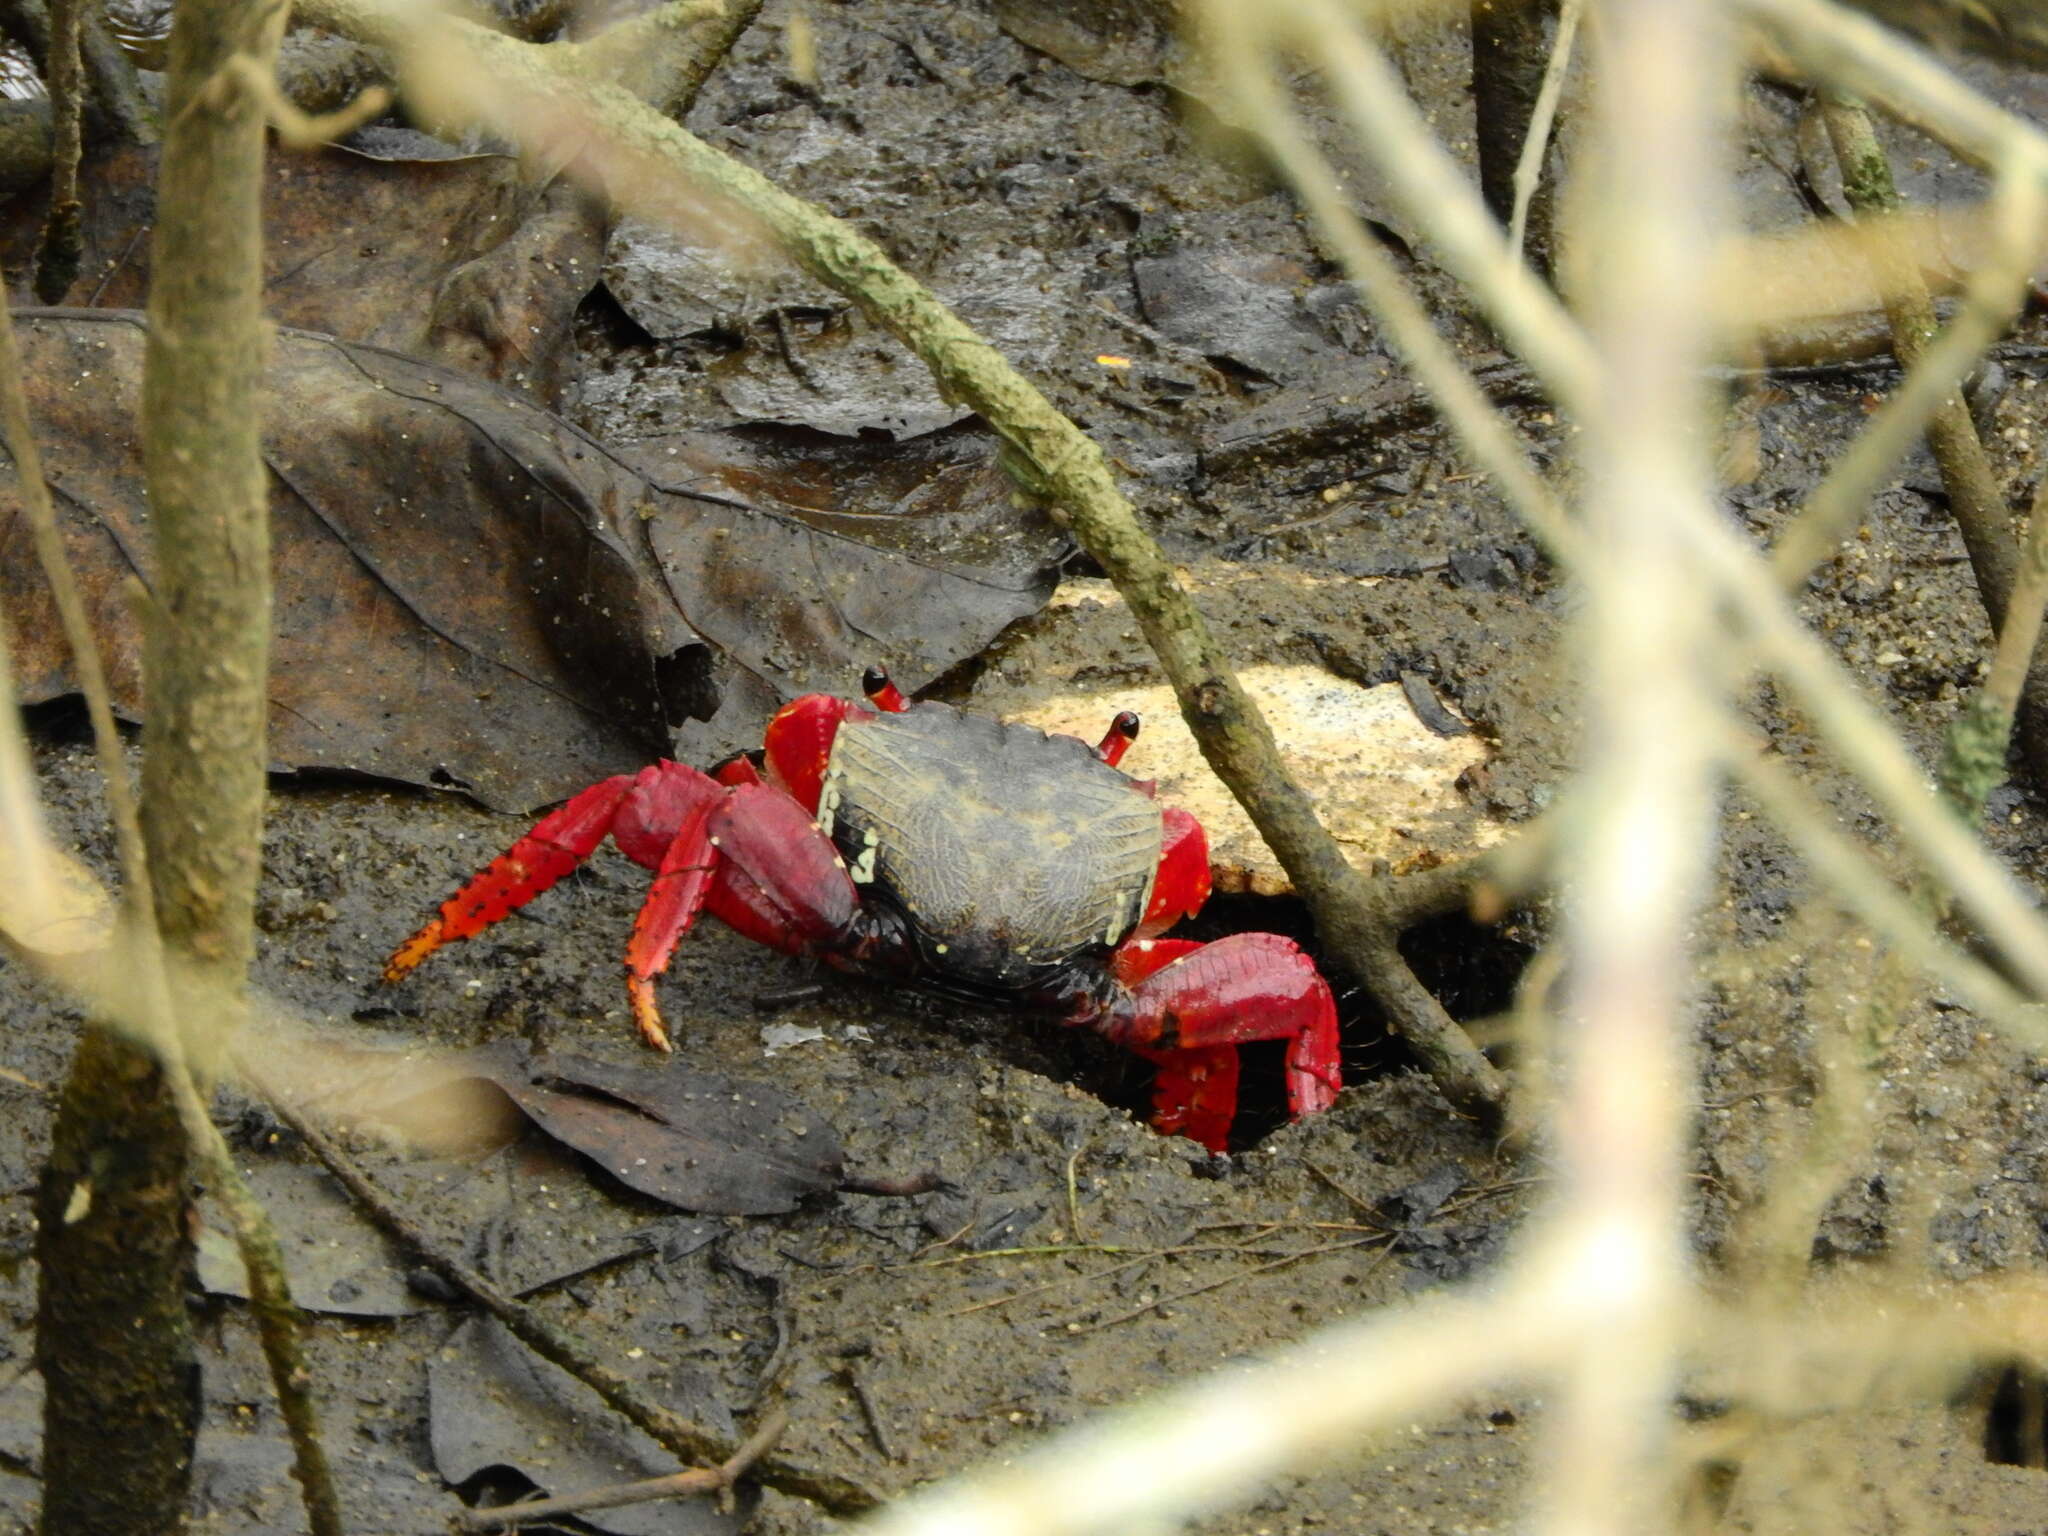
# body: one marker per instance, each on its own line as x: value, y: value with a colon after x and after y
x: 1126, y: 725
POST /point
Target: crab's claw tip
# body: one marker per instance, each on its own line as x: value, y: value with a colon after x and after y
x: 413, y: 951
x: 640, y: 990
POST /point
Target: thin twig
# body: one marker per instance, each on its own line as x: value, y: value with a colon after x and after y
x: 57, y: 259
x: 1846, y: 870
x: 1077, y: 1330
x: 677, y: 1485
x: 1974, y: 759
x: 1614, y: 1240
x: 1529, y: 168
x: 1974, y: 497
x: 856, y: 1380
x: 1074, y: 1195
x: 1990, y: 298
x: 1860, y: 55
x: 1186, y: 1449
x: 1053, y: 1285
x: 1551, y: 340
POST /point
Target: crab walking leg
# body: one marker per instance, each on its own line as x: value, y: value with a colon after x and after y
x: 1195, y: 1094
x: 1249, y: 986
x: 559, y: 842
x: 673, y: 902
x: 765, y: 870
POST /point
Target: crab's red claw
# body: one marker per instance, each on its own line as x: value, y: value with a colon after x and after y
x: 559, y: 842
x: 1141, y: 958
x: 1249, y: 986
x: 780, y: 882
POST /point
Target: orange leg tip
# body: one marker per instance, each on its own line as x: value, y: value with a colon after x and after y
x: 413, y: 951
x: 641, y: 993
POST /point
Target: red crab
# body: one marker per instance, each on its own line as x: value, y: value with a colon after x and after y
x: 924, y: 845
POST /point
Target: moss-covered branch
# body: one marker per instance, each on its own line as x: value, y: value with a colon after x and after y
x: 114, y: 1237
x: 1973, y: 492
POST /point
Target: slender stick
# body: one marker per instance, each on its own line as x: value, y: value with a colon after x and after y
x: 1974, y: 496
x: 57, y: 259
x: 212, y: 556
x: 1848, y: 872
x: 1975, y: 757
x: 677, y: 1485
x: 1640, y: 865
x: 1529, y: 169
x: 1548, y: 335
x: 1185, y: 1450
x: 1858, y: 54
x: 278, y: 1321
x: 1990, y: 299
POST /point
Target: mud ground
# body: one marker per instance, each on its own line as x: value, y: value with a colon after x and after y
x: 1075, y: 1259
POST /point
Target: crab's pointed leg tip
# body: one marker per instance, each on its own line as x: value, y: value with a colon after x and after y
x: 647, y: 1016
x: 413, y: 951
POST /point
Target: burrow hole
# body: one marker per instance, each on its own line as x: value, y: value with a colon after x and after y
x: 2015, y: 1398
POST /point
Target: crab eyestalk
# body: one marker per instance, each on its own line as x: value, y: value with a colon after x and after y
x: 882, y: 692
x: 1123, y: 730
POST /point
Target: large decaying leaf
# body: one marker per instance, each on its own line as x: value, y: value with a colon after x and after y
x: 470, y: 590
x: 464, y: 260
x: 696, y: 1140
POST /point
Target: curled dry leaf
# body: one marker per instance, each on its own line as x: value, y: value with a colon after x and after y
x: 695, y: 1140
x: 463, y: 260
